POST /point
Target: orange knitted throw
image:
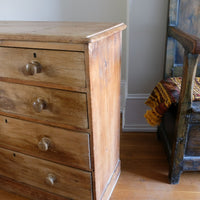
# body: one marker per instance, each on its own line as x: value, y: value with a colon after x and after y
x: 163, y: 95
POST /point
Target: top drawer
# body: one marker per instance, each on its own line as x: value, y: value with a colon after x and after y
x: 64, y: 68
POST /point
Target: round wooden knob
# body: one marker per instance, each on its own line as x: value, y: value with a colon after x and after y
x: 50, y: 179
x: 44, y: 144
x: 33, y: 67
x: 39, y: 105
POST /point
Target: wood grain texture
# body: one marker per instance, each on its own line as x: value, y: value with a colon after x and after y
x: 169, y: 58
x: 70, y: 32
x: 189, y: 16
x: 172, y: 12
x: 66, y: 147
x: 185, y: 102
x: 183, y: 47
x: 191, y: 43
x: 112, y: 182
x: 42, y: 45
x: 104, y: 73
x: 62, y: 107
x: 191, y: 163
x: 81, y: 93
x: 12, y: 188
x: 71, y: 183
x: 58, y: 67
x: 184, y: 16
x: 188, y: 21
x: 193, y: 144
x: 144, y: 173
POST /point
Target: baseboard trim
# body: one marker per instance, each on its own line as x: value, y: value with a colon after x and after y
x: 142, y: 96
x: 112, y: 182
x: 133, y: 114
x: 138, y: 128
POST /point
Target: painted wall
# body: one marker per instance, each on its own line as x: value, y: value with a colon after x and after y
x: 147, y: 40
x: 67, y: 10
x: 147, y: 31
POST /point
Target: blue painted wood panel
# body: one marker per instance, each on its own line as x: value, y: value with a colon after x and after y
x: 184, y: 14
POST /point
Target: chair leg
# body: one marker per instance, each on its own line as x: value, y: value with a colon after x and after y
x: 176, y: 158
x: 176, y: 164
x: 158, y: 134
x: 174, y: 175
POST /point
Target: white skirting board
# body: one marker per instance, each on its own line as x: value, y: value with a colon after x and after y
x: 133, y: 114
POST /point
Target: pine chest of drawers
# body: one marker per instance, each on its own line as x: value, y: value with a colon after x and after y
x: 59, y: 109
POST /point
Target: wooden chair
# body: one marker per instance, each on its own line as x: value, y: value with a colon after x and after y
x: 180, y: 126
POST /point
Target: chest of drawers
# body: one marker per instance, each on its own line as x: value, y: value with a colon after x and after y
x: 59, y: 109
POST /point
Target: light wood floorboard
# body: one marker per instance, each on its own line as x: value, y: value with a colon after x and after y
x: 144, y: 173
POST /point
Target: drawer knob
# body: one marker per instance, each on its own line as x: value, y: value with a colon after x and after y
x: 44, y: 144
x: 33, y: 67
x: 50, y: 179
x: 39, y: 105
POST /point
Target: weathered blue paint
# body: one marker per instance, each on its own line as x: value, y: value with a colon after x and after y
x: 184, y: 14
x: 173, y: 14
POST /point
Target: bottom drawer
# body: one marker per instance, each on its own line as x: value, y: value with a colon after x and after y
x: 65, y: 181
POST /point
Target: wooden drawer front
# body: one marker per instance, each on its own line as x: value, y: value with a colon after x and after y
x: 54, y: 144
x: 68, y: 182
x: 60, y: 106
x: 58, y: 67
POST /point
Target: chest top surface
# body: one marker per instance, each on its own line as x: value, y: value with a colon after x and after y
x: 71, y: 32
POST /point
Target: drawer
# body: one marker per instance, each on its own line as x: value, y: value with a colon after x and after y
x: 49, y: 176
x: 54, y: 144
x: 48, y: 105
x: 57, y: 67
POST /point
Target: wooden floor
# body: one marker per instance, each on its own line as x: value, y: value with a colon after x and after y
x: 144, y: 173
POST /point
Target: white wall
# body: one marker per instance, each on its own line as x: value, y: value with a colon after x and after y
x: 147, y: 31
x: 73, y: 10
x: 147, y: 44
